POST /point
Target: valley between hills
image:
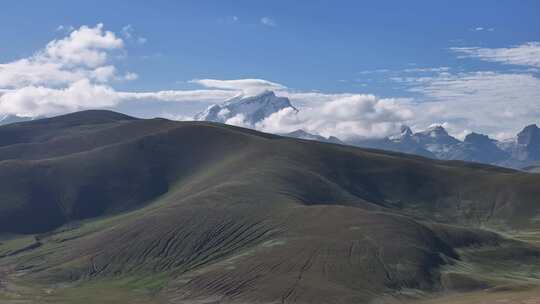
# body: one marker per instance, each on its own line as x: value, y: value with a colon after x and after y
x: 100, y: 207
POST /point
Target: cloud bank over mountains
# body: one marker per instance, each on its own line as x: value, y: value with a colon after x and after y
x: 79, y: 71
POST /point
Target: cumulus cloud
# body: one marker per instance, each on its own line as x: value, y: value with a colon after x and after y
x: 86, y: 46
x: 81, y: 55
x: 353, y: 116
x: 238, y: 120
x: 67, y: 74
x: 38, y: 100
x: 527, y: 54
x: 495, y: 103
x: 75, y: 73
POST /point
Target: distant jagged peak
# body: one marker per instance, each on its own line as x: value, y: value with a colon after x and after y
x: 302, y: 134
x: 529, y: 135
x: 404, y: 132
x: 531, y: 127
x: 474, y: 137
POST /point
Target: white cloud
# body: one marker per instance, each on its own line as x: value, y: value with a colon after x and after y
x: 494, y: 103
x: 312, y: 99
x: 243, y: 86
x: 491, y: 102
x: 229, y: 19
x: 104, y: 73
x: 131, y: 76
x: 39, y: 100
x: 68, y: 74
x: 480, y: 29
x: 128, y: 32
x: 378, y: 71
x: 527, y: 54
x: 64, y: 28
x: 427, y: 70
x: 206, y: 96
x: 353, y: 116
x: 86, y: 46
x: 37, y: 72
x: 268, y: 21
x: 81, y: 55
x: 238, y: 120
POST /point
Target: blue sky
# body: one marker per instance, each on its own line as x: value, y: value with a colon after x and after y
x: 392, y: 49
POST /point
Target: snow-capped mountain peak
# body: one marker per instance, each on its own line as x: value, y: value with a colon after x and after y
x: 250, y: 110
x: 435, y: 135
x: 405, y: 132
x: 435, y: 131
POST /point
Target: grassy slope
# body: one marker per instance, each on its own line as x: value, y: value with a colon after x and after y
x: 245, y: 216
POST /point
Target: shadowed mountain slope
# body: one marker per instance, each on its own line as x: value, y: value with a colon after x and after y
x: 233, y: 215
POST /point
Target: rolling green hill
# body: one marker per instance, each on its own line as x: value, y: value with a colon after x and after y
x: 97, y: 206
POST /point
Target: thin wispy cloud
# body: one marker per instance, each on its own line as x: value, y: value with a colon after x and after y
x: 64, y: 28
x: 268, y: 21
x: 481, y: 29
x: 128, y: 32
x: 427, y: 70
x: 408, y: 70
x: 527, y: 54
x: 246, y: 86
x: 229, y: 19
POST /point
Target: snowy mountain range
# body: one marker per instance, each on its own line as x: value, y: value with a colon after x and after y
x: 519, y: 152
x: 435, y: 142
